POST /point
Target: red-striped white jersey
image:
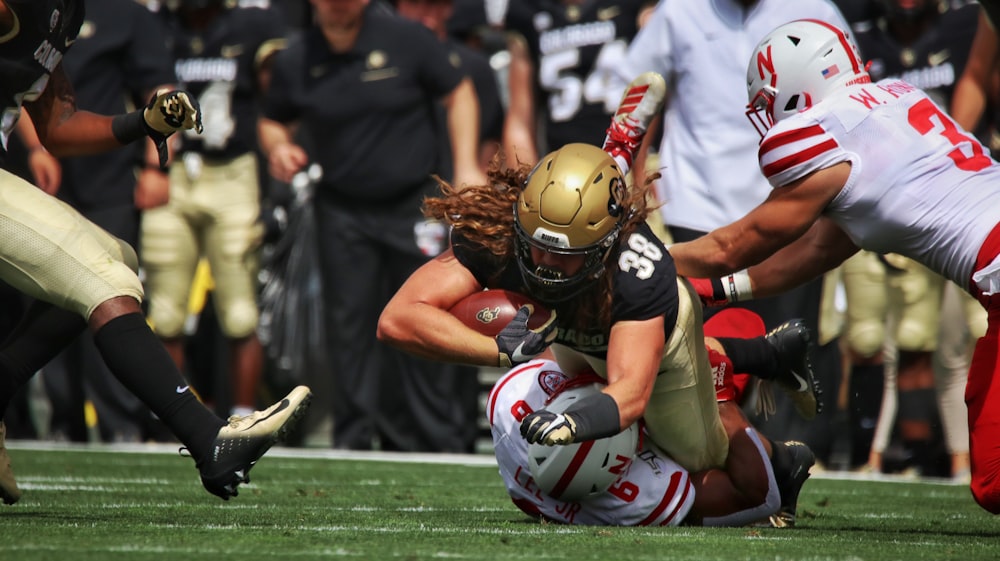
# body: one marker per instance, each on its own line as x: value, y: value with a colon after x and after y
x: 654, y: 491
x: 919, y: 185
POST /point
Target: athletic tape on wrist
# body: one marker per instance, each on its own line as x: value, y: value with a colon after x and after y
x: 737, y: 286
x: 596, y: 417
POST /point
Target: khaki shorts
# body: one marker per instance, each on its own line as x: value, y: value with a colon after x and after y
x: 214, y: 215
x: 908, y: 299
x: 682, y: 415
x: 52, y: 253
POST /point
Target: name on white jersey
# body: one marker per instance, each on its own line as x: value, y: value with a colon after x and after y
x: 879, y: 94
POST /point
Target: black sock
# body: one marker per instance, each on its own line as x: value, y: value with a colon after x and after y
x: 41, y: 334
x: 754, y: 356
x: 864, y: 404
x: 917, y: 407
x: 141, y: 363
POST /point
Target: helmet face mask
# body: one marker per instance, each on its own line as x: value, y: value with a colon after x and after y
x: 796, y: 66
x: 571, y: 205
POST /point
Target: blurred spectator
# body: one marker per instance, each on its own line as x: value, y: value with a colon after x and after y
x: 565, y: 53
x: 221, y: 53
x: 361, y: 89
x: 702, y: 47
x: 893, y: 303
x: 118, y: 60
x: 435, y: 14
x: 976, y: 99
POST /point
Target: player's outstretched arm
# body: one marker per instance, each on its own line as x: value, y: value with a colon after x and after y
x: 66, y: 131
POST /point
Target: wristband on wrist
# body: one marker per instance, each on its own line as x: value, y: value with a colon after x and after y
x: 129, y: 127
x: 736, y: 287
x: 596, y: 417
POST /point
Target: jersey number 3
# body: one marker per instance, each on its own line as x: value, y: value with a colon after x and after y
x: 921, y: 117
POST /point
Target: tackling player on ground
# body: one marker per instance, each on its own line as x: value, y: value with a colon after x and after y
x: 640, y: 487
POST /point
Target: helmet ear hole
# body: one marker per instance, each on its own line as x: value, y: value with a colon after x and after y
x: 616, y: 189
x: 793, y: 103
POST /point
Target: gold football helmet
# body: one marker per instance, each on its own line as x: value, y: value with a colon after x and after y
x: 571, y: 205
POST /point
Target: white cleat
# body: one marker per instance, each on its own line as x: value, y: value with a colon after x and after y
x: 640, y: 104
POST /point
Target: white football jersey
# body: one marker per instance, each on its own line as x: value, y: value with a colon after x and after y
x: 653, y: 491
x: 919, y: 185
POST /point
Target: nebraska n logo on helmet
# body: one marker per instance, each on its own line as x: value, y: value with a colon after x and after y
x: 796, y: 66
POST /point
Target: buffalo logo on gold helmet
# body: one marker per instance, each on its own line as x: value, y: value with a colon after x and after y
x: 572, y: 204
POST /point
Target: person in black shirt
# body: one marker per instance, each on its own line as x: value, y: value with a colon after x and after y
x: 363, y: 88
x: 80, y: 275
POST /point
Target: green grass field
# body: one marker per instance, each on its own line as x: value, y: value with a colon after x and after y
x: 147, y: 503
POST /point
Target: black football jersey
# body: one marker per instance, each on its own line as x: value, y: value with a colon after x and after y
x: 217, y: 65
x: 644, y: 286
x: 934, y: 62
x: 575, y: 48
x: 43, y: 30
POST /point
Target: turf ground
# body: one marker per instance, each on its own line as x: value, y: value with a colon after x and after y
x: 144, y: 503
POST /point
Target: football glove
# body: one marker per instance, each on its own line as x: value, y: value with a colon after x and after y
x: 517, y: 344
x: 167, y: 112
x: 546, y: 427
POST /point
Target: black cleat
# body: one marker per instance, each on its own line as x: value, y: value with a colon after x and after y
x: 244, y: 440
x: 793, y: 343
x: 802, y: 459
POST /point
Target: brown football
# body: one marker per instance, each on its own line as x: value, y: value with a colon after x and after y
x: 489, y: 311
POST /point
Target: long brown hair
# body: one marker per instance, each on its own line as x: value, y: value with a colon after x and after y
x: 484, y: 215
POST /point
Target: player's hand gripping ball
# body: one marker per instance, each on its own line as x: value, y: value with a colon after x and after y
x: 522, y: 327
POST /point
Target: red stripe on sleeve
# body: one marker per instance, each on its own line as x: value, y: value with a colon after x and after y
x: 668, y: 496
x: 680, y: 503
x: 798, y: 158
x: 788, y: 137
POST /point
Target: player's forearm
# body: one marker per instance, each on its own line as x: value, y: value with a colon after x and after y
x: 433, y: 334
x: 463, y: 128
x: 271, y: 134
x: 81, y: 133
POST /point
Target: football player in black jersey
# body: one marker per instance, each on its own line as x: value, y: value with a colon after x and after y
x: 222, y: 54
x: 80, y: 275
x: 569, y: 234
x: 565, y: 52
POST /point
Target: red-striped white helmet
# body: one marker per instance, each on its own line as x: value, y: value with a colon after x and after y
x: 795, y: 66
x: 576, y: 471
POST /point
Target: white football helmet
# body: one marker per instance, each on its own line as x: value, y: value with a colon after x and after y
x: 795, y: 66
x: 576, y: 471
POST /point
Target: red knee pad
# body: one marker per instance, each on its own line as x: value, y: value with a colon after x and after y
x: 722, y: 372
x: 736, y: 323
